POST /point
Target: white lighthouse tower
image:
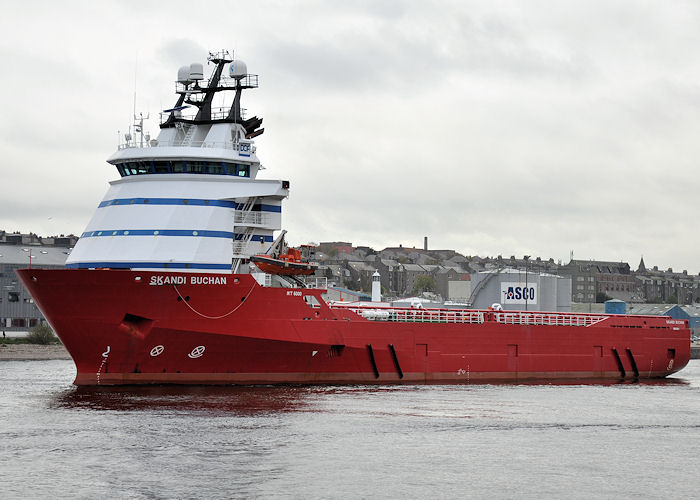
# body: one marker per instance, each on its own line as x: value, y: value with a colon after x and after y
x: 376, y: 287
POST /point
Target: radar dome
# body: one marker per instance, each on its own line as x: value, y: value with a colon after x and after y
x: 196, y: 71
x: 238, y: 70
x: 183, y: 74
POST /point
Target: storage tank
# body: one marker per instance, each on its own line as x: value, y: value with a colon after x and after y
x: 615, y: 306
x: 517, y: 290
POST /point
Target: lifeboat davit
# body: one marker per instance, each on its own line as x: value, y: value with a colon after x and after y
x: 288, y: 264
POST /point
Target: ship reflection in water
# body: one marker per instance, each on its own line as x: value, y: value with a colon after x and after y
x: 244, y: 401
x: 260, y: 400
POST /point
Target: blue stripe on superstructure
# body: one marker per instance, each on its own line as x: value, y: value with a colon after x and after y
x: 197, y: 202
x: 270, y: 208
x: 158, y: 232
x: 156, y: 265
x: 168, y: 201
x: 263, y: 207
x: 256, y: 238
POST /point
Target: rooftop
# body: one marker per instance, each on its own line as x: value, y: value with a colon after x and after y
x: 40, y: 255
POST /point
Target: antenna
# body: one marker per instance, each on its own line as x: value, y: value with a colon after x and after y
x: 136, y: 67
x: 138, y: 127
x: 138, y: 120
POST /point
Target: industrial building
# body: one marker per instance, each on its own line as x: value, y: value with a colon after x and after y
x: 520, y: 290
x: 18, y: 312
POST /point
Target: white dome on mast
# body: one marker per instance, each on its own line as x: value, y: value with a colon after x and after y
x: 183, y: 75
x: 196, y: 71
x: 238, y: 70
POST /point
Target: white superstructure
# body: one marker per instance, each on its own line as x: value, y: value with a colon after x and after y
x: 189, y: 199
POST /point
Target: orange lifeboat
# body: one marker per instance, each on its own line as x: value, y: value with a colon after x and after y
x: 287, y: 264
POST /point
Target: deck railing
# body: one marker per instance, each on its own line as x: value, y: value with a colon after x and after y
x: 419, y: 315
x: 551, y: 319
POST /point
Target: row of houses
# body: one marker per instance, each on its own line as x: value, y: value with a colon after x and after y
x: 401, y: 279
x: 591, y: 280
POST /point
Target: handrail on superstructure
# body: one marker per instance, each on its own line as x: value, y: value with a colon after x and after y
x: 250, y: 81
x: 250, y: 217
x: 218, y: 113
x: 192, y: 144
x: 319, y: 282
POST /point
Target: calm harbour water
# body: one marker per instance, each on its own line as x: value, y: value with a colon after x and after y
x: 495, y: 441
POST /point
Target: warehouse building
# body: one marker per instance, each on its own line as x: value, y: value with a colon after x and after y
x: 18, y: 312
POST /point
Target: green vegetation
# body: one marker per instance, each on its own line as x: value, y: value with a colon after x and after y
x: 423, y: 284
x: 42, y: 334
x: 354, y: 285
x: 9, y: 341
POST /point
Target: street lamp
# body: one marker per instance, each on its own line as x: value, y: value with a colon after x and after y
x: 527, y: 292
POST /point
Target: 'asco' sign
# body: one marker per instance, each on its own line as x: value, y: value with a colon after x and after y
x: 519, y: 293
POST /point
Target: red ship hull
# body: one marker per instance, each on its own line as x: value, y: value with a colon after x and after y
x: 132, y: 327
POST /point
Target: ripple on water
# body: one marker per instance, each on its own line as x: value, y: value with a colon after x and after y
x: 524, y: 440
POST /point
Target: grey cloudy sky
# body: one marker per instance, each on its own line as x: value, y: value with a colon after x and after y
x: 535, y: 127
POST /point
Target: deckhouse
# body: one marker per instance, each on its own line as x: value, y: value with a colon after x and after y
x: 189, y: 199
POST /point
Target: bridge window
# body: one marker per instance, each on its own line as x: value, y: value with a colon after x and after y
x: 163, y: 167
x: 182, y: 167
x: 136, y: 167
x: 197, y: 167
